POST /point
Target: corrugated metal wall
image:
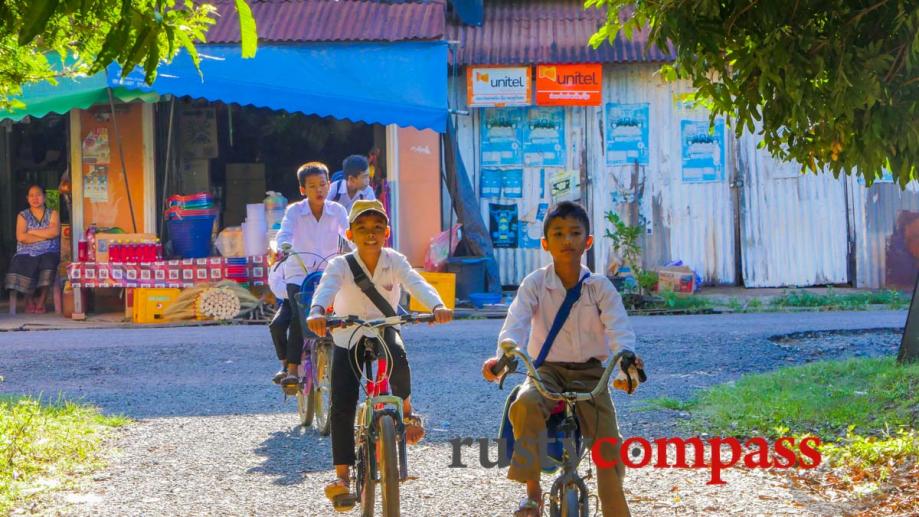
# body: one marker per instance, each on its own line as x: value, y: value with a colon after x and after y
x: 513, y: 263
x: 793, y: 226
x: 793, y: 229
x: 875, y: 212
x: 683, y: 221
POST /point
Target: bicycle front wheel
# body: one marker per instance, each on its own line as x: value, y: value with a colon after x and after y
x: 389, y: 465
x: 322, y: 385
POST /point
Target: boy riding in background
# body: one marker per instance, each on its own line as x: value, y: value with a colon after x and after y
x: 312, y: 232
x: 596, y: 328
x: 388, y: 271
x: 354, y: 183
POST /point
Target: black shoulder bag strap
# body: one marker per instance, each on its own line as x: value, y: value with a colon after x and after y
x: 338, y: 192
x: 367, y: 287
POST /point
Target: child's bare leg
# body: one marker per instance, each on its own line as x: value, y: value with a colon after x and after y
x: 343, y: 472
x: 414, y: 431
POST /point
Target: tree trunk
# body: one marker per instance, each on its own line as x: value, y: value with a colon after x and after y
x: 909, y: 346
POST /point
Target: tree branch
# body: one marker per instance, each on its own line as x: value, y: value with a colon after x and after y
x: 736, y: 15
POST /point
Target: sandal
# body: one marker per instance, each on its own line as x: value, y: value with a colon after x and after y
x: 529, y: 508
x: 278, y: 377
x: 414, y: 429
x: 339, y: 493
x: 290, y: 384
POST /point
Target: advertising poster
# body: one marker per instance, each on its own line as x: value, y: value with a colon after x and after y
x: 503, y: 225
x: 627, y: 133
x: 531, y: 232
x: 566, y: 186
x: 498, y: 86
x: 544, y: 140
x: 96, y: 149
x: 95, y: 184
x: 569, y: 85
x: 512, y: 183
x: 490, y: 183
x: 500, y: 134
x: 702, y: 151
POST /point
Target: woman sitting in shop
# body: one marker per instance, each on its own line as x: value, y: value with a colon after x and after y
x: 38, y: 252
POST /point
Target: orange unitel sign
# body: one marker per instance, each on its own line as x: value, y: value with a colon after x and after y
x: 569, y: 85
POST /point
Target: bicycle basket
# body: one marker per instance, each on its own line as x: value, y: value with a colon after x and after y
x: 305, y: 300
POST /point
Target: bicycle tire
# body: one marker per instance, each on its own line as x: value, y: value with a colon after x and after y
x: 322, y: 386
x: 365, y: 481
x: 305, y: 407
x: 388, y: 465
x: 565, y: 500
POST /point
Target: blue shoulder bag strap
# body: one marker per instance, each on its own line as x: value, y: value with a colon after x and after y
x: 570, y: 298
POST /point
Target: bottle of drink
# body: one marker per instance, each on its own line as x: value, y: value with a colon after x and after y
x: 114, y: 252
x: 82, y: 248
x: 159, y: 250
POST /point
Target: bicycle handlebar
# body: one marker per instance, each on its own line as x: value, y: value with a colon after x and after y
x: 348, y: 321
x: 511, y: 354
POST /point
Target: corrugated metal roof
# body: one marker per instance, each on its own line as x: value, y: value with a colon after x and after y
x: 543, y: 31
x: 298, y: 21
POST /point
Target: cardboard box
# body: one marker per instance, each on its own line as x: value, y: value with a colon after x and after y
x: 103, y: 240
x: 66, y: 243
x: 245, y: 183
x: 679, y: 279
x: 196, y: 176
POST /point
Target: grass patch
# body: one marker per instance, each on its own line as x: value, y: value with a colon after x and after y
x: 42, y: 445
x: 833, y: 301
x: 825, y: 398
x: 678, y: 301
x: 864, y: 410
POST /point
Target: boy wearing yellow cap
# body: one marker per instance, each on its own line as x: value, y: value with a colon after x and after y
x: 389, y: 271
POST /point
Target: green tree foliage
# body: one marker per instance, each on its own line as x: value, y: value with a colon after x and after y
x: 41, y: 40
x: 833, y: 84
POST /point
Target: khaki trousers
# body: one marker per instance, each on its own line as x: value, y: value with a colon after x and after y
x: 597, y: 418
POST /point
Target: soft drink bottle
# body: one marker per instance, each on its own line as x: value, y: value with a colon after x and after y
x: 159, y: 250
x: 82, y: 247
x: 114, y: 252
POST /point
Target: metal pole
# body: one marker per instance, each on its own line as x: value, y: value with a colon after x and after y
x: 172, y: 106
x: 124, y: 169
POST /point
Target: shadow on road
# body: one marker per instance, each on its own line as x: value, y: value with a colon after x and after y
x: 288, y: 455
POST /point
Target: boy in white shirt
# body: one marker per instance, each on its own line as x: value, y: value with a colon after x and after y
x: 596, y: 329
x: 312, y: 232
x: 355, y: 183
x: 388, y: 270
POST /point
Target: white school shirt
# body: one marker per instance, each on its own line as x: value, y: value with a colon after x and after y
x: 304, y: 233
x: 597, y: 327
x: 341, y: 187
x: 393, y: 272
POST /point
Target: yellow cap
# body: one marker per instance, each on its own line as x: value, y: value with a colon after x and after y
x: 362, y: 206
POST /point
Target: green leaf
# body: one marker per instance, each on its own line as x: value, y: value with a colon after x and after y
x: 36, y: 19
x: 248, y: 34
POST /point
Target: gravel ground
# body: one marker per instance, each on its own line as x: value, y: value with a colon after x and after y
x: 213, y: 437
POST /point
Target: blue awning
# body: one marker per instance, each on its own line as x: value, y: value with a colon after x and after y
x: 403, y: 83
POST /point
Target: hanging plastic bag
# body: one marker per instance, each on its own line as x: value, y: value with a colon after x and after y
x: 441, y: 247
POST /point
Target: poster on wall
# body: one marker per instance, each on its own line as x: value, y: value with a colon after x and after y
x: 95, y: 148
x: 490, y: 183
x: 512, y: 183
x: 503, y: 225
x: 95, y: 184
x: 702, y: 151
x: 566, y: 186
x: 531, y: 232
x: 569, y: 85
x: 627, y: 133
x: 544, y: 139
x: 198, y: 132
x: 500, y: 137
x: 498, y: 86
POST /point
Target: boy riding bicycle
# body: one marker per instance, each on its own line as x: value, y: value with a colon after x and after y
x: 345, y: 282
x: 595, y: 329
x: 311, y: 233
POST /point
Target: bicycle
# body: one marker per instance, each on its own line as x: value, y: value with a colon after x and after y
x: 314, y: 387
x: 379, y: 432
x: 569, y: 496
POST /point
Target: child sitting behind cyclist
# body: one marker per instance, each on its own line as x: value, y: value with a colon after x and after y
x: 312, y: 232
x: 596, y: 328
x: 388, y: 271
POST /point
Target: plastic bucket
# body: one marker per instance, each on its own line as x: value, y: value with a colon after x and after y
x: 191, y: 236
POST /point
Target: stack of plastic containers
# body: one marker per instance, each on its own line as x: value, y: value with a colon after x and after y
x: 191, y: 222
